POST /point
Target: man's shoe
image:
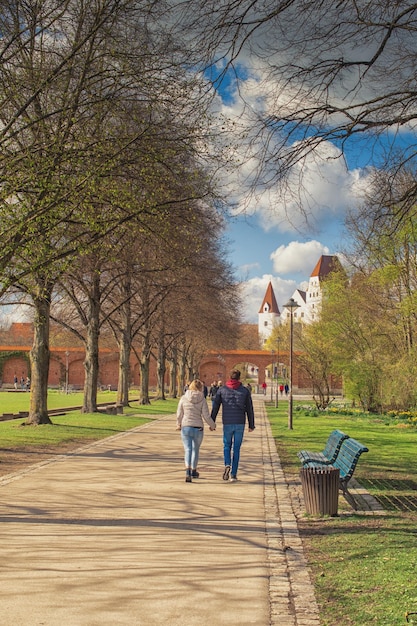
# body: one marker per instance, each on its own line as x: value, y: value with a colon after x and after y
x: 226, y: 472
x: 188, y: 476
x: 232, y: 479
x: 195, y: 474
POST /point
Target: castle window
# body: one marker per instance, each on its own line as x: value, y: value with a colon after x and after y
x: 265, y: 323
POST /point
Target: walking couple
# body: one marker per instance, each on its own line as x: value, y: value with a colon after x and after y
x: 236, y: 402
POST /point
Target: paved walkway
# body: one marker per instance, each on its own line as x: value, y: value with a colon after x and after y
x: 112, y: 534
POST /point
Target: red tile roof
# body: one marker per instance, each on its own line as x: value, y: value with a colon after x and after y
x: 269, y: 299
x: 325, y: 265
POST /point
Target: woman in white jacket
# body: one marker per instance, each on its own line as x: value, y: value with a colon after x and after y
x: 192, y: 409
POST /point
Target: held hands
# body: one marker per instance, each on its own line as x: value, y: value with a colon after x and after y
x: 251, y: 430
x: 178, y: 428
x: 211, y: 428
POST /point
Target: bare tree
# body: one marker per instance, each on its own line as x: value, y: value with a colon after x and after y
x: 383, y: 254
x: 340, y: 73
x: 81, y: 85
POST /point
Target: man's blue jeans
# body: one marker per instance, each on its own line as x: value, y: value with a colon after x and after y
x: 191, y: 439
x: 232, y: 440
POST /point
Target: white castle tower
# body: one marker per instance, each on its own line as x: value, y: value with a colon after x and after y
x: 268, y: 316
x: 309, y: 302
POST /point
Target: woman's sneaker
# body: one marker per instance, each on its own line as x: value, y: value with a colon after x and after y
x: 232, y: 479
x: 188, y: 476
x: 195, y: 474
x: 226, y: 472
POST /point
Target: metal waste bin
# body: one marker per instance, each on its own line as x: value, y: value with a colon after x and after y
x: 320, y: 489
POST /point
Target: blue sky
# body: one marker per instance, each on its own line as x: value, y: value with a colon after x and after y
x: 286, y: 260
x: 267, y: 247
x: 270, y: 240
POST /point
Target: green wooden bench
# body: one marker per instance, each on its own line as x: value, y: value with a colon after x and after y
x: 330, y: 452
x: 346, y: 461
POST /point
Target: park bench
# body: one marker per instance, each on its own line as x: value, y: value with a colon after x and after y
x: 113, y: 409
x: 330, y: 452
x: 346, y: 461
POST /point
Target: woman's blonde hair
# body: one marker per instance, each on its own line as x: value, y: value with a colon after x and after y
x: 196, y: 385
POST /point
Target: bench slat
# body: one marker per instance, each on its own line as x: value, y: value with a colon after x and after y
x: 330, y: 452
x: 348, y: 457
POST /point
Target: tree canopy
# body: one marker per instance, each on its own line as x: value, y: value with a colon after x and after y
x: 317, y: 80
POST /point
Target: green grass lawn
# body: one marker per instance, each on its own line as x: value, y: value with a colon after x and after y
x: 364, y: 568
x: 13, y: 402
x: 75, y: 426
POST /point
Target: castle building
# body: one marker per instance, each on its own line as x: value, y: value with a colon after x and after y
x: 309, y: 302
x: 314, y: 294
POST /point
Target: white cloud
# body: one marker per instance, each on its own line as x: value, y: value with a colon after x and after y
x: 298, y: 257
x: 294, y: 258
x: 309, y: 203
x: 246, y: 269
x: 318, y: 187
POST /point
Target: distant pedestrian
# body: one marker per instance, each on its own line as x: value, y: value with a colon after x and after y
x: 287, y: 389
x: 192, y: 409
x: 22, y: 383
x: 281, y: 389
x: 264, y: 386
x: 213, y: 390
x: 236, y: 402
x: 15, y: 381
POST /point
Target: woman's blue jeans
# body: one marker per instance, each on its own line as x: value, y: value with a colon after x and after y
x: 191, y: 439
x: 232, y: 440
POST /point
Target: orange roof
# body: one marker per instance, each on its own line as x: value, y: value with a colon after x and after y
x: 326, y: 264
x: 270, y: 300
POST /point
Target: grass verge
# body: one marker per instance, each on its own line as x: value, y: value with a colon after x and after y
x: 77, y: 427
x: 13, y: 402
x: 363, y: 567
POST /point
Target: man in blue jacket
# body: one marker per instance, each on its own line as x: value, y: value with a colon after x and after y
x: 236, y: 402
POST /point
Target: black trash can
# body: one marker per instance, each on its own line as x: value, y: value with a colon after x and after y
x: 320, y: 489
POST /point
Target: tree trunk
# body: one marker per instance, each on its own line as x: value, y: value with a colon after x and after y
x: 144, y: 369
x: 144, y: 380
x: 39, y: 363
x: 125, y: 341
x: 160, y: 370
x: 124, y: 370
x: 321, y: 390
x: 181, y: 378
x: 91, y: 361
x: 173, y: 374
